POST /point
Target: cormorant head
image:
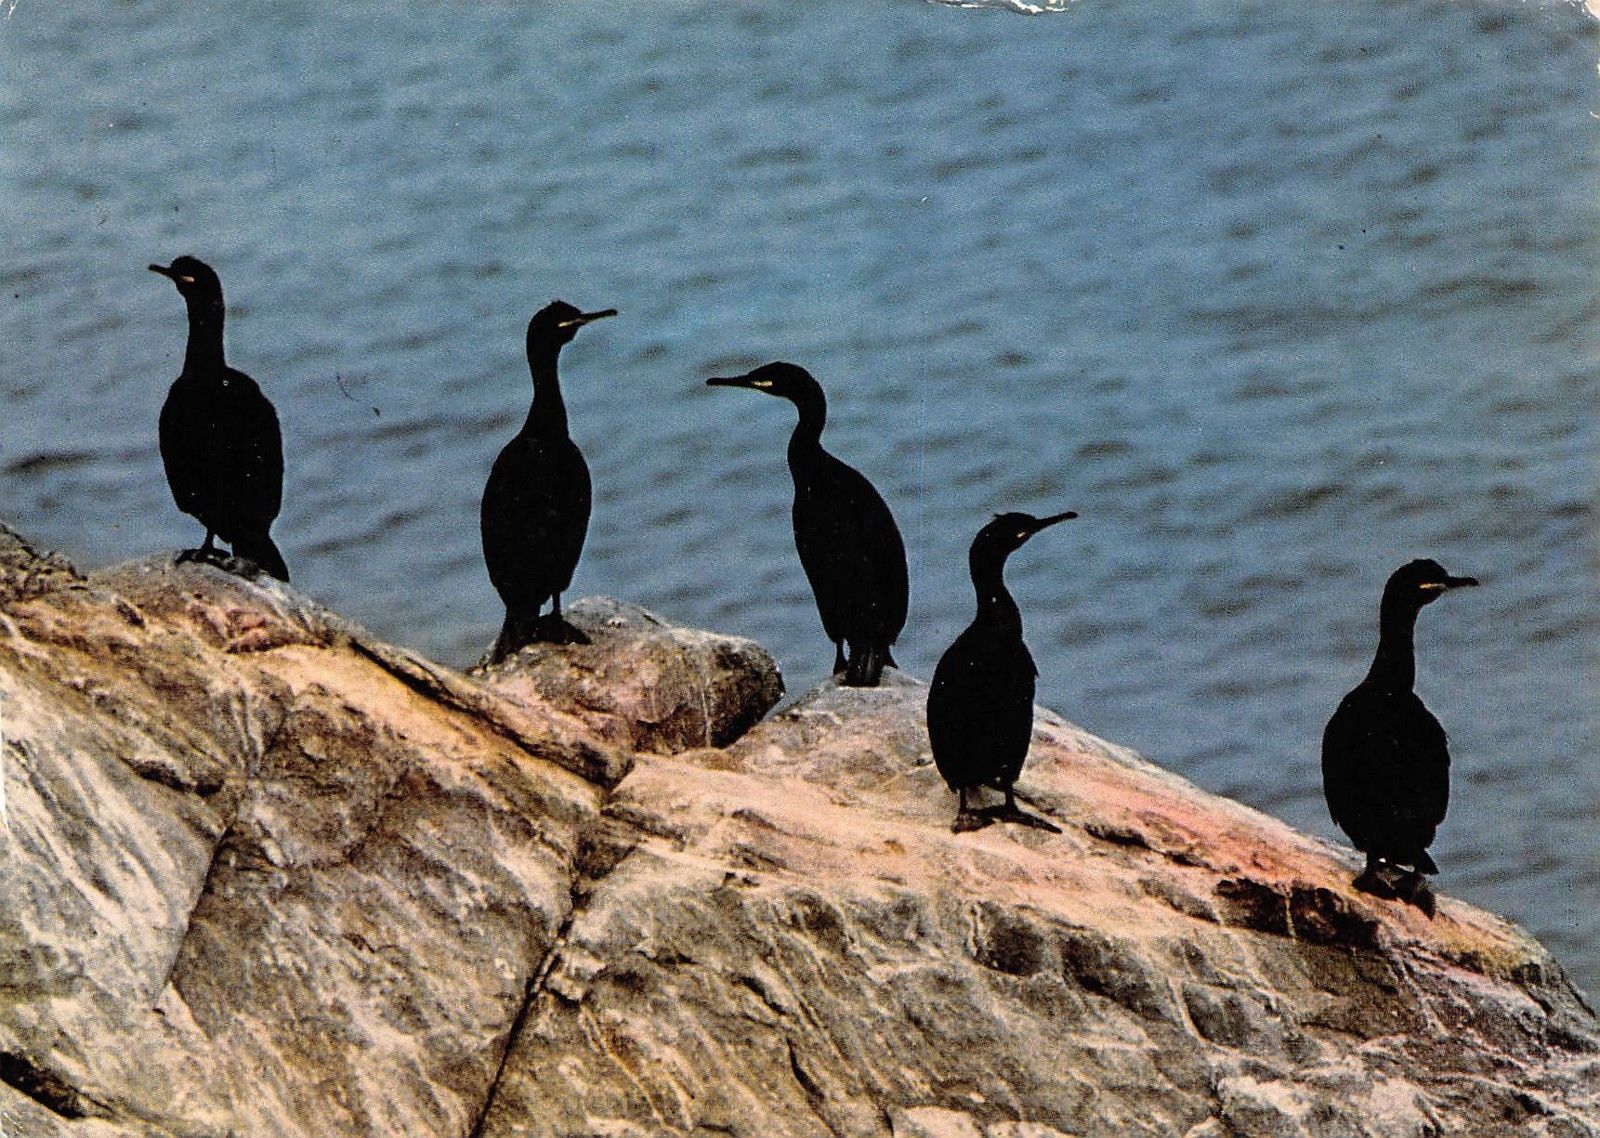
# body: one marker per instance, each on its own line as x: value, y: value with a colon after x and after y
x: 1421, y: 582
x: 558, y: 322
x: 196, y: 280
x: 1007, y: 533
x: 787, y: 381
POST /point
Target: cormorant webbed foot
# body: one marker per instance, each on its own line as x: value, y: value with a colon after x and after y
x: 207, y: 554
x: 1022, y: 818
x: 207, y: 551
x: 1009, y: 811
x: 968, y: 817
x: 1377, y: 880
x: 968, y: 820
x: 246, y: 567
x: 976, y: 818
x: 228, y: 562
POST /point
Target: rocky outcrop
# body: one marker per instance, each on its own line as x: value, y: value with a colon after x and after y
x: 785, y: 938
x: 265, y: 875
x: 643, y: 684
x: 262, y: 876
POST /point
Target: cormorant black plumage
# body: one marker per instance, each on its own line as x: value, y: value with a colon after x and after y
x: 1385, y: 761
x: 848, y: 543
x: 535, y: 509
x: 980, y: 705
x: 220, y: 441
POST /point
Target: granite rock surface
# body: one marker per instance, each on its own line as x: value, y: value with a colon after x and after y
x: 264, y: 874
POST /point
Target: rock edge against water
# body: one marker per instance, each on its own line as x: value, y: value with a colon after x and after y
x: 266, y: 875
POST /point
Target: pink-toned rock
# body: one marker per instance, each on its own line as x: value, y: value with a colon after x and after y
x: 258, y: 878
x: 264, y: 875
x: 644, y: 684
x: 784, y: 938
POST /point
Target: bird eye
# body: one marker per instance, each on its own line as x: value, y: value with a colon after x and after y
x: 186, y: 280
x: 763, y: 383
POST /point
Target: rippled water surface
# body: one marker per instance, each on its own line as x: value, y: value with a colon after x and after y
x: 1277, y: 296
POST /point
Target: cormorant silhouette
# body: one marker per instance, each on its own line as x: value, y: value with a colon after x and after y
x: 1385, y: 762
x: 980, y: 705
x: 846, y: 537
x: 220, y: 441
x: 535, y: 509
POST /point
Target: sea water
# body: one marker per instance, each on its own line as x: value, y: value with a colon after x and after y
x: 1277, y: 296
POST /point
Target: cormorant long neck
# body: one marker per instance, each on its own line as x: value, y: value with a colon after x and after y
x: 204, y: 352
x: 1395, y: 666
x: 813, y: 408
x: 995, y: 606
x: 548, y: 414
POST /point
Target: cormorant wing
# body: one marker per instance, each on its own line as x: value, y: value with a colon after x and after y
x: 851, y: 550
x: 223, y: 452
x: 534, y: 517
x: 1385, y: 769
x: 980, y: 708
x: 257, y: 465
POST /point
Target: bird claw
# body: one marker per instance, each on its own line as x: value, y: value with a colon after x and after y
x: 1374, y: 881
x: 969, y: 820
x: 1393, y: 883
x: 206, y: 555
x: 222, y: 559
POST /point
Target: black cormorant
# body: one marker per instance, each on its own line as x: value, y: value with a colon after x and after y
x: 535, y: 509
x: 220, y: 440
x: 980, y: 705
x: 1385, y: 763
x: 846, y: 536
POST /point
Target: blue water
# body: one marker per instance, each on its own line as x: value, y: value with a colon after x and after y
x: 1277, y: 296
